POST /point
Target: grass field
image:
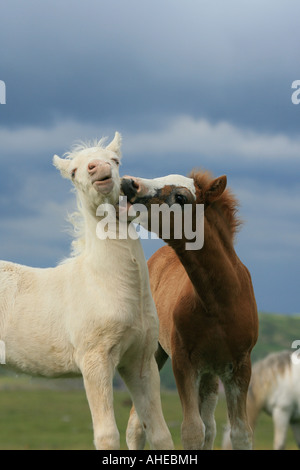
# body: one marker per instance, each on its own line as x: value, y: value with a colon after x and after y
x: 34, y: 416
x: 41, y: 414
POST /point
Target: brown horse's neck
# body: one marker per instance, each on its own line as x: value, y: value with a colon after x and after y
x: 212, y: 269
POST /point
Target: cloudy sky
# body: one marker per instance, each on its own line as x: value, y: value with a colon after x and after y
x: 187, y: 83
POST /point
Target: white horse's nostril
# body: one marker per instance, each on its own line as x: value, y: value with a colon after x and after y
x: 95, y: 164
x: 91, y: 166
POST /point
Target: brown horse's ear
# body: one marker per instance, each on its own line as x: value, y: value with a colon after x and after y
x: 215, y: 189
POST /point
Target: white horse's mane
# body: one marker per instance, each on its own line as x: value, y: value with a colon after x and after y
x: 84, y: 145
x: 76, y: 231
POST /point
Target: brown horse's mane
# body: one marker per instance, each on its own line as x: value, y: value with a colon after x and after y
x: 227, y: 202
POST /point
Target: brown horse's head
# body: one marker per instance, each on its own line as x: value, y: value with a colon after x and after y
x: 173, y: 189
x: 171, y: 196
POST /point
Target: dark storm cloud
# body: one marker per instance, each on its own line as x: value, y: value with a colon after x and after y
x: 186, y: 83
x: 133, y: 61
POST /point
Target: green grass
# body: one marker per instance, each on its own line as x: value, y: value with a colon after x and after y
x: 39, y: 418
x: 45, y: 419
x: 36, y: 414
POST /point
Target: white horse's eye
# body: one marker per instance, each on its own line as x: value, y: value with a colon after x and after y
x: 73, y: 172
x: 116, y: 160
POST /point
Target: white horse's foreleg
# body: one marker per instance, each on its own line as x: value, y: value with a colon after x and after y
x: 98, y: 382
x: 143, y: 381
x: 281, y: 419
x: 135, y: 434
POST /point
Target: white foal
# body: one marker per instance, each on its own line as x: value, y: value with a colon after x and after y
x: 94, y: 312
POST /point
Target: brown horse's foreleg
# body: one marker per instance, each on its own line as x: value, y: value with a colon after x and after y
x: 236, y: 384
x: 208, y: 398
x: 192, y: 428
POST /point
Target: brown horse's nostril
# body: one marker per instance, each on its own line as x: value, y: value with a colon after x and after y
x: 135, y: 184
x: 129, y: 187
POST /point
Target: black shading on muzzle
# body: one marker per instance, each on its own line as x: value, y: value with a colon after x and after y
x: 128, y: 188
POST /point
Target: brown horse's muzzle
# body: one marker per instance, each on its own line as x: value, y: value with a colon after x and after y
x: 131, y: 187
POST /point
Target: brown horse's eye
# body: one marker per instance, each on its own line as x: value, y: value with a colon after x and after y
x: 180, y: 199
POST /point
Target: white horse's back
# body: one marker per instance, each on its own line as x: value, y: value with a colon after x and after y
x: 284, y: 390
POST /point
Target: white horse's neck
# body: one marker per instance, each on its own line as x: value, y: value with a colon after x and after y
x: 109, y: 251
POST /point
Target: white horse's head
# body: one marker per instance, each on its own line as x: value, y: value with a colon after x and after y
x: 94, y: 171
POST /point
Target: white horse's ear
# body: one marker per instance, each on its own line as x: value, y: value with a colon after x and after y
x: 62, y: 165
x: 115, y: 145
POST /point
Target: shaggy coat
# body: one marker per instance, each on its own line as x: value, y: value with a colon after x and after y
x: 92, y: 314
